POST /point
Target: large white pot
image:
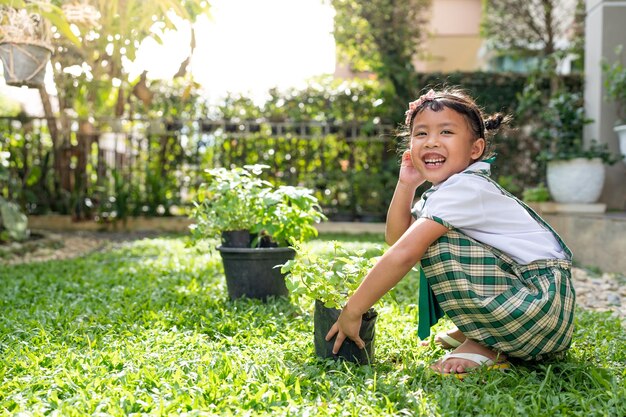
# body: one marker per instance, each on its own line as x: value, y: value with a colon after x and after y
x: 621, y: 133
x: 578, y: 180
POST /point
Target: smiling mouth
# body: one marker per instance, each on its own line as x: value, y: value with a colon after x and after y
x: 433, y: 160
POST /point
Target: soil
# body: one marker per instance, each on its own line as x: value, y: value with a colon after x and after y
x: 45, y: 246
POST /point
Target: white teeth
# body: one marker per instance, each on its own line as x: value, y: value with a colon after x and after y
x: 434, y: 161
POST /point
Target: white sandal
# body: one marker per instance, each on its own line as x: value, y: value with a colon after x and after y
x: 448, y: 340
x: 480, y: 360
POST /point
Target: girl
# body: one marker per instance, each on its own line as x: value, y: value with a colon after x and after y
x: 494, y: 266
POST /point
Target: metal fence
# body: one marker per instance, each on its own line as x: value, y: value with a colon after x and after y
x: 112, y: 169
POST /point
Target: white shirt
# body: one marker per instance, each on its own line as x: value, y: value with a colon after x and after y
x: 478, y: 209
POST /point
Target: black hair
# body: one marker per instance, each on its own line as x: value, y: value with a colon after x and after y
x: 459, y: 101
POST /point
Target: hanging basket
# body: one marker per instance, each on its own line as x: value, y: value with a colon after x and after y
x: 24, y: 64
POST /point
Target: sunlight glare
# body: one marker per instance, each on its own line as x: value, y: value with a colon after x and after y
x: 249, y: 46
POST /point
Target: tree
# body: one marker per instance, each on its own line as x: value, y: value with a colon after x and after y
x: 90, y: 77
x: 111, y: 31
x: 384, y: 37
x: 532, y: 27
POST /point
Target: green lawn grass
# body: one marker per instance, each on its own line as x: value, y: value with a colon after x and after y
x: 146, y: 328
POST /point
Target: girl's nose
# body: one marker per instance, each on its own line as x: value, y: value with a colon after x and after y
x: 431, y: 141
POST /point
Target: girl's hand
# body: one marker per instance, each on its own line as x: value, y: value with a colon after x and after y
x: 346, y: 326
x: 409, y: 175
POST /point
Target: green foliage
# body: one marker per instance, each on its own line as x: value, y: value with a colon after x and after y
x: 328, y: 277
x: 172, y: 100
x: 289, y: 214
x: 13, y: 223
x: 615, y: 84
x: 496, y: 91
x: 90, y: 75
x: 237, y: 199
x: 557, y: 117
x: 8, y: 106
x: 564, y: 119
x: 382, y: 36
x: 117, y: 205
x: 91, y: 98
x: 327, y: 99
x: 346, y: 155
x: 237, y: 108
x: 145, y: 328
x: 530, y: 28
x: 4, y: 166
x: 508, y: 183
x: 536, y: 194
x: 229, y: 200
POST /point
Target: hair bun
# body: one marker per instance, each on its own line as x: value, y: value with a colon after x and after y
x: 493, y: 122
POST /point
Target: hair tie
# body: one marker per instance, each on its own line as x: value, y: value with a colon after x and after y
x: 430, y: 96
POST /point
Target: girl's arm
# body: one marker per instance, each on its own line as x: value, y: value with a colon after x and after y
x: 399, y: 213
x: 387, y: 272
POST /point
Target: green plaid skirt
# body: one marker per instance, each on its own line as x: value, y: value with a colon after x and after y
x: 523, y: 311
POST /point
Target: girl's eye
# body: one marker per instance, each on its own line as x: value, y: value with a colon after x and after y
x: 446, y: 132
x: 420, y: 133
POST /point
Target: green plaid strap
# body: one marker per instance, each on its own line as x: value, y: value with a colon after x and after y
x: 429, y: 311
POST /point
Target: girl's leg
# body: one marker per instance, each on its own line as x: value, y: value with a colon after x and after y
x: 455, y: 334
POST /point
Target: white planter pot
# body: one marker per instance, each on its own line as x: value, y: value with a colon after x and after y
x: 577, y: 180
x: 621, y: 133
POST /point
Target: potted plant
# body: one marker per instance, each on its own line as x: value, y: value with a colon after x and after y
x: 329, y: 279
x: 575, y: 172
x: 25, y: 46
x: 256, y: 222
x: 615, y: 84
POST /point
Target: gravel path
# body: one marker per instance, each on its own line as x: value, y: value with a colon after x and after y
x: 598, y: 292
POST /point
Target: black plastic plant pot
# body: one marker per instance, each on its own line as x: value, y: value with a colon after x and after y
x: 236, y: 239
x: 323, y: 320
x: 252, y: 272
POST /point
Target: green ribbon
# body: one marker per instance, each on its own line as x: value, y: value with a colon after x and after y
x: 490, y: 160
x: 429, y: 311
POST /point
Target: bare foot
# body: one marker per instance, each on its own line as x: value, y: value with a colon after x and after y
x: 455, y: 334
x: 457, y: 365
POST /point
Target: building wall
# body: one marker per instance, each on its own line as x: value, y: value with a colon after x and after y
x: 454, y: 41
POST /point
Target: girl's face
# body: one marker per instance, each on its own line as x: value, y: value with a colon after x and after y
x: 442, y: 144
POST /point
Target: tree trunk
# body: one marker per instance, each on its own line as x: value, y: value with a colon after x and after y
x: 55, y: 137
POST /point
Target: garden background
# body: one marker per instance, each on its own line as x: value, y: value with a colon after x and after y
x: 140, y: 324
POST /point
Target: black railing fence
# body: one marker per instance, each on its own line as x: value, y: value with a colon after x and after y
x: 111, y: 170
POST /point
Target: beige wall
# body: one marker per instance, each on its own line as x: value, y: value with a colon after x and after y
x: 454, y: 40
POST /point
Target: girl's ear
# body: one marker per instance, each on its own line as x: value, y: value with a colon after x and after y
x: 478, y: 148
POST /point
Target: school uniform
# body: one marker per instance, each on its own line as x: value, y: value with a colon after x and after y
x: 501, y: 273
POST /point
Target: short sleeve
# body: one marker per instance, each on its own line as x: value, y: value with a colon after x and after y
x: 458, y: 202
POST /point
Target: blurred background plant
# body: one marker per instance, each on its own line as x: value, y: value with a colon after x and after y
x: 615, y: 83
x: 536, y: 194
